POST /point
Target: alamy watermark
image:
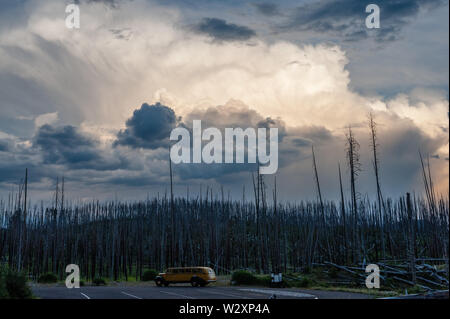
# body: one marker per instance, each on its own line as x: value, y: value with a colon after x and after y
x: 73, y: 279
x: 373, y: 279
x: 72, y: 16
x: 373, y: 19
x: 219, y: 151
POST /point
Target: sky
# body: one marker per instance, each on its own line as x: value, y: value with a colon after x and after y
x: 97, y: 104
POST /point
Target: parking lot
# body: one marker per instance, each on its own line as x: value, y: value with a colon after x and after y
x: 187, y: 292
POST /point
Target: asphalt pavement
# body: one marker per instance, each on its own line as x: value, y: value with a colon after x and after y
x: 186, y: 292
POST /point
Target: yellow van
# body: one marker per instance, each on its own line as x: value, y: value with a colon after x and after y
x: 197, y: 276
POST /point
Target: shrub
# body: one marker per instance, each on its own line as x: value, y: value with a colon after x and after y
x: 99, y: 282
x: 17, y: 286
x: 306, y: 270
x: 149, y: 275
x: 243, y: 277
x: 333, y: 273
x: 264, y: 280
x: 13, y: 285
x: 47, y: 278
x: 3, y: 291
x: 304, y: 282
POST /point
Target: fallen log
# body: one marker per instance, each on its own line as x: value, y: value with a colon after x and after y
x: 411, y: 283
x: 431, y: 282
x: 342, y: 268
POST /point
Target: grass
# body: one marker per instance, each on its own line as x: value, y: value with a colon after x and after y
x: 366, y: 291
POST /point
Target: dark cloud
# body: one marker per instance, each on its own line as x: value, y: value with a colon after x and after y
x: 14, y: 172
x: 267, y: 9
x: 221, y: 30
x: 67, y: 146
x: 149, y: 127
x: 61, y: 145
x: 269, y: 122
x: 4, y: 146
x: 346, y: 19
x: 15, y: 159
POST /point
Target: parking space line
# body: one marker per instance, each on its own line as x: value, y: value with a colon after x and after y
x: 85, y: 296
x: 131, y: 295
x: 279, y: 292
x: 228, y: 295
x: 175, y: 294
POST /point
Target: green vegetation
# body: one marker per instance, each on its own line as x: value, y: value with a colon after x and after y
x: 99, y: 282
x: 244, y: 277
x: 13, y: 285
x: 48, y: 278
x: 149, y: 275
x: 323, y: 278
x: 3, y: 291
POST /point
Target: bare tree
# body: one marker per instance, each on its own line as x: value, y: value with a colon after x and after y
x: 374, y: 145
x: 354, y: 167
x: 411, y: 238
x: 344, y: 220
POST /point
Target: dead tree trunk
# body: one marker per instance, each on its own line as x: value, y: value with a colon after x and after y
x: 411, y: 238
x: 344, y: 220
x: 373, y: 131
x: 354, y: 167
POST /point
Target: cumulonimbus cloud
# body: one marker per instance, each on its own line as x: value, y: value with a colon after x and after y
x: 93, y: 78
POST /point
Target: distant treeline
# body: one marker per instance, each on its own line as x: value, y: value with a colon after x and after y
x: 119, y: 240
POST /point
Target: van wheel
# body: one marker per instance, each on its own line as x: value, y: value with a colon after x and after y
x: 159, y: 282
x: 194, y: 282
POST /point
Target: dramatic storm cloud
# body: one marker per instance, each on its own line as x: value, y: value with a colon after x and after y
x: 67, y: 146
x: 149, y: 127
x: 64, y: 144
x: 98, y: 103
